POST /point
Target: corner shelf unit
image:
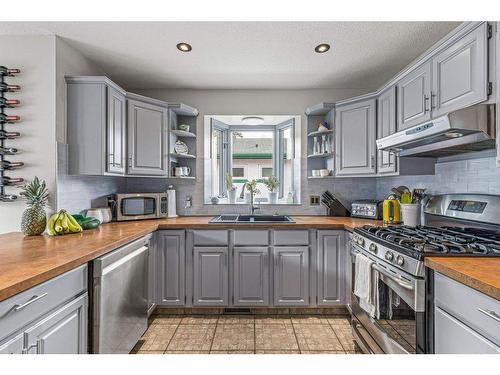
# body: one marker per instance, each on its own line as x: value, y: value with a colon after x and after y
x: 315, y: 115
x: 179, y: 114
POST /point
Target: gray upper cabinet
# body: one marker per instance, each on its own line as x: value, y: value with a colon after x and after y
x: 355, y: 138
x: 171, y: 268
x: 331, y: 267
x: 116, y: 132
x: 459, y: 73
x: 63, y: 332
x: 147, y: 138
x: 251, y: 276
x: 96, y: 126
x: 414, y: 94
x: 386, y: 125
x: 291, y: 276
x: 210, y: 276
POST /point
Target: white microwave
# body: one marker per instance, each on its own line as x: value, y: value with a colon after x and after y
x: 139, y: 206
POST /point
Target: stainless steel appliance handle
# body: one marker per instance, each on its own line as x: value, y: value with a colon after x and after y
x: 356, y: 327
x: 124, y: 260
x: 493, y: 315
x: 393, y: 278
x: 29, y: 302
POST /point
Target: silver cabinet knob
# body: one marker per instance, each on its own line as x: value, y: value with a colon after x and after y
x: 389, y: 256
x: 400, y: 260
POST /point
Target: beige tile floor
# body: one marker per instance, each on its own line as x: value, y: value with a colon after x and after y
x: 247, y: 334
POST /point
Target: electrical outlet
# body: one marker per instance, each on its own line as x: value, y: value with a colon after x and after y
x: 314, y: 200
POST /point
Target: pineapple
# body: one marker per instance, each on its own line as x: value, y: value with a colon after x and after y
x: 34, y: 219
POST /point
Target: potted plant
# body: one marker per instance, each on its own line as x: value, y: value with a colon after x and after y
x: 231, y: 189
x: 272, y: 184
x: 34, y: 219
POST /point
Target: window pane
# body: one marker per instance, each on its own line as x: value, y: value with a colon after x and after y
x: 216, y: 161
x: 266, y: 172
x: 253, y: 151
x: 238, y: 172
x: 286, y: 177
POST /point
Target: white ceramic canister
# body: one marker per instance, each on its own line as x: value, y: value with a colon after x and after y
x: 410, y: 214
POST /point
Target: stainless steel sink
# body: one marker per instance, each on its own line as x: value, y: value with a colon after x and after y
x: 244, y: 219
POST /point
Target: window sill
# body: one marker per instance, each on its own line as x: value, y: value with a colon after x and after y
x: 224, y: 202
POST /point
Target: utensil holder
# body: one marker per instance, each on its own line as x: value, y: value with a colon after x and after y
x: 410, y: 214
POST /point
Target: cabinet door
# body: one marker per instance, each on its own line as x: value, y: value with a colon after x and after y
x: 460, y: 73
x: 210, y: 276
x: 251, y: 276
x: 355, y: 138
x: 63, y: 332
x: 116, y: 132
x: 152, y: 277
x: 171, y: 268
x: 414, y: 91
x: 331, y: 268
x: 13, y: 346
x: 147, y: 135
x: 291, y: 276
x: 386, y: 125
x: 453, y: 337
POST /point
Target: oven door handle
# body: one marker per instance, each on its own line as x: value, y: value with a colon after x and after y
x: 402, y: 284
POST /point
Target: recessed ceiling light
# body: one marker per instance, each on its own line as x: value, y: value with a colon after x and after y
x: 184, y: 47
x: 322, y: 48
x: 252, y: 120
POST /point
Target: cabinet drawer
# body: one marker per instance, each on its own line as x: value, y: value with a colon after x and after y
x: 251, y: 237
x: 210, y: 238
x: 18, y: 311
x: 291, y: 237
x: 474, y: 308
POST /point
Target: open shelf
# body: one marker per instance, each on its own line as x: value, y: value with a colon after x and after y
x: 183, y: 134
x: 329, y: 154
x: 319, y: 177
x: 183, y: 156
x: 317, y: 133
x: 319, y: 109
x: 183, y: 178
x: 183, y: 109
x: 322, y: 112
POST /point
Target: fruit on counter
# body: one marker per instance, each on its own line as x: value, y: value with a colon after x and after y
x: 87, y: 222
x: 34, y: 219
x: 62, y: 223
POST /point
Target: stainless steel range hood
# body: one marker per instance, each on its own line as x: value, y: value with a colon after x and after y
x: 466, y: 130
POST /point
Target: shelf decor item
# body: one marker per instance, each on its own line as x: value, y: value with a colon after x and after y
x: 183, y: 127
x: 231, y: 189
x: 180, y: 147
x: 5, y: 135
x: 272, y: 184
x: 323, y: 127
x: 34, y: 219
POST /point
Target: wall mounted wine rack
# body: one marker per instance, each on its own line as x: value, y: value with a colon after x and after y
x: 5, y: 135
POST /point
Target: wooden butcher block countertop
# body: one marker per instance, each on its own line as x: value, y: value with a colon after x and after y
x: 28, y: 261
x: 480, y: 273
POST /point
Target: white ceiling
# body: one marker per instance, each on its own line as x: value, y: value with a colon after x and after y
x: 238, y: 120
x: 265, y: 55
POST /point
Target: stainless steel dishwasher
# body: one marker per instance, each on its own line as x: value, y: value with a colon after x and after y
x: 120, y: 302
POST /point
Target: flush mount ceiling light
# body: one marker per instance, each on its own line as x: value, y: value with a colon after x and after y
x: 252, y: 120
x: 184, y: 47
x: 322, y: 48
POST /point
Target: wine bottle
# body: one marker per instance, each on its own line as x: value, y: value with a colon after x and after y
x: 8, y: 103
x: 9, y: 88
x: 9, y: 181
x: 8, y: 151
x: 6, y: 165
x: 4, y: 71
x: 8, y: 198
x: 8, y: 119
x: 8, y: 135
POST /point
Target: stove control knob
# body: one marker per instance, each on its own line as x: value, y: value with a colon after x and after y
x: 361, y: 241
x: 373, y: 248
x: 389, y: 256
x: 400, y: 260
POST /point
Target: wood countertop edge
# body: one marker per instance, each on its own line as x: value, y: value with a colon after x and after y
x: 463, y: 278
x: 10, y: 290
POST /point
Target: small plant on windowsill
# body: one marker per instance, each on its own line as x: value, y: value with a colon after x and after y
x: 272, y: 184
x: 231, y: 189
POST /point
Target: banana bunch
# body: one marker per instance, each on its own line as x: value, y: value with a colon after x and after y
x: 62, y: 223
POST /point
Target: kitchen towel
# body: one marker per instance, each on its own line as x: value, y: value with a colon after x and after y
x: 366, y: 285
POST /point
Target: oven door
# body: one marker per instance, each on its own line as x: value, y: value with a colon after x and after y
x: 400, y: 327
x: 137, y: 206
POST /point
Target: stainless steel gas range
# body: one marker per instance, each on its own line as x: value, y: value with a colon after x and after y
x: 455, y: 225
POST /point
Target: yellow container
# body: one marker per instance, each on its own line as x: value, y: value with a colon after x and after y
x: 391, y: 211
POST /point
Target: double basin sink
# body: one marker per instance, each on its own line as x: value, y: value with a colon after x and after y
x: 245, y: 219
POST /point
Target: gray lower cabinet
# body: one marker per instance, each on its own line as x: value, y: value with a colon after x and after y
x: 210, y: 276
x: 251, y: 276
x: 460, y: 73
x: 171, y: 268
x: 355, y: 138
x: 414, y: 94
x: 465, y: 320
x: 331, y: 267
x: 13, y: 346
x: 386, y: 125
x: 147, y: 138
x: 63, y: 332
x: 152, y: 276
x: 291, y: 276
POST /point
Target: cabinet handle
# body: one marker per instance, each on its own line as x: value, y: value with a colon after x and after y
x: 29, y: 302
x: 372, y: 162
x: 36, y: 345
x: 130, y: 162
x: 426, y: 101
x: 490, y: 313
x: 433, y: 96
x: 111, y: 159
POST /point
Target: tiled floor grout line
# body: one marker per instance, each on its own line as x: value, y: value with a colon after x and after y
x: 337, y: 336
x: 295, y: 335
x: 213, y: 337
x: 169, y: 341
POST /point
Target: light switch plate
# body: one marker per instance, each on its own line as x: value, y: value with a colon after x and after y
x: 314, y: 200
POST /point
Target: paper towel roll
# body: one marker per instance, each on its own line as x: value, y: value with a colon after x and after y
x: 172, y: 203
